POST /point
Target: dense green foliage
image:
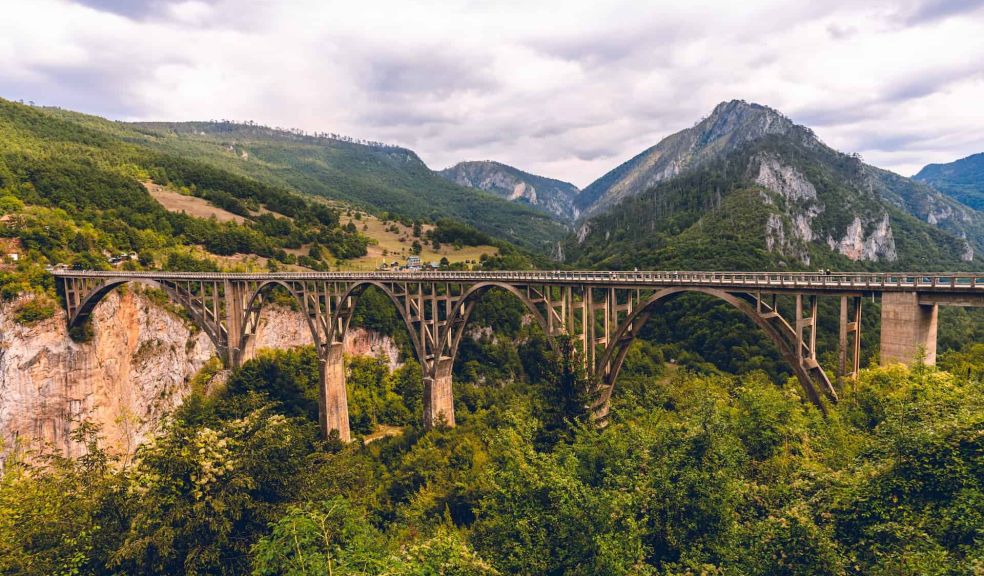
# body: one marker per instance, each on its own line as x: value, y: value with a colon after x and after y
x: 962, y: 179
x: 693, y: 475
x: 72, y: 193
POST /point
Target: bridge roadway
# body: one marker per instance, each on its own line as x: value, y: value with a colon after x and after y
x: 591, y: 315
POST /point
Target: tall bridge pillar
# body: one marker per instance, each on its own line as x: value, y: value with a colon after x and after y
x: 332, y: 396
x: 438, y: 395
x: 908, y: 329
x: 234, y: 295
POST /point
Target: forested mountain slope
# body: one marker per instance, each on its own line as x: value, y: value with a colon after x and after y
x: 962, y: 179
x: 780, y: 198
x: 73, y: 194
x: 554, y: 196
x: 369, y: 175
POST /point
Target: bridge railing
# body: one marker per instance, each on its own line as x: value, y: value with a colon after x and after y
x: 876, y: 281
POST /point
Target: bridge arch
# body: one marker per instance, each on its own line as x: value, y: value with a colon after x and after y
x: 95, y: 296
x: 251, y: 317
x: 779, y: 332
x: 339, y: 328
x: 456, y: 322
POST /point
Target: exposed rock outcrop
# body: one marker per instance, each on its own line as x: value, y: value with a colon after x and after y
x: 553, y: 196
x: 136, y: 369
x: 876, y: 245
x: 784, y: 180
x: 280, y: 327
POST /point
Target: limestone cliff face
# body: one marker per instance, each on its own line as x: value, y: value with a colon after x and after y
x: 280, y: 327
x: 135, y: 370
x: 868, y: 237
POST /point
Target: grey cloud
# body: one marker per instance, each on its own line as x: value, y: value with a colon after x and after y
x: 135, y: 9
x: 101, y: 91
x: 891, y: 142
x: 401, y: 114
x: 931, y: 82
x: 841, y: 31
x: 607, y: 47
x: 932, y: 10
x: 393, y: 70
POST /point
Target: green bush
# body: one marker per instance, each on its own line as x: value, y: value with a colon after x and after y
x: 35, y: 310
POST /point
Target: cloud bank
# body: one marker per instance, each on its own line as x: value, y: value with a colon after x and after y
x: 565, y: 89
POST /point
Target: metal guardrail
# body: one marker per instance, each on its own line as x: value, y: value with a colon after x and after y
x: 963, y: 282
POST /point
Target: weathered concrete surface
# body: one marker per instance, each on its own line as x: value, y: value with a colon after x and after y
x: 438, y: 396
x: 334, y: 397
x: 908, y: 329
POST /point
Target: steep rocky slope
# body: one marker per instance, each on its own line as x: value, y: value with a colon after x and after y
x: 801, y: 204
x: 136, y: 369
x: 962, y: 179
x: 730, y: 125
x: 554, y: 196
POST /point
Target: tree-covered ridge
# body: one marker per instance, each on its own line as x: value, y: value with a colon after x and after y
x: 962, y: 179
x: 74, y: 195
x: 370, y: 175
x: 693, y: 475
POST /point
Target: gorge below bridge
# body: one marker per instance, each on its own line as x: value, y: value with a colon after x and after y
x: 598, y: 312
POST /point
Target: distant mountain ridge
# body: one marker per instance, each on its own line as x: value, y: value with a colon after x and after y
x: 746, y: 187
x: 961, y: 179
x: 554, y: 196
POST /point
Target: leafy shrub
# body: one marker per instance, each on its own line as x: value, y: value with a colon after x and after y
x: 35, y: 310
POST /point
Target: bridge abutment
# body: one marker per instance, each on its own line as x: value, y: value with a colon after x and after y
x: 908, y: 329
x: 438, y: 395
x: 332, y: 396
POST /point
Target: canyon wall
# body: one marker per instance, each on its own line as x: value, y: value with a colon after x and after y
x: 135, y: 370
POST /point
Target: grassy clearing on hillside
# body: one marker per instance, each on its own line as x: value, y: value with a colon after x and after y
x: 175, y: 201
x: 388, y: 244
x: 395, y: 245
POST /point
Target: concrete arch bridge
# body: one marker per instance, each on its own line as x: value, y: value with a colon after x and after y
x: 601, y: 312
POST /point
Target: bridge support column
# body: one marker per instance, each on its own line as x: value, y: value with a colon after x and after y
x: 332, y: 397
x: 908, y: 329
x: 849, y: 349
x: 234, y: 324
x: 438, y: 395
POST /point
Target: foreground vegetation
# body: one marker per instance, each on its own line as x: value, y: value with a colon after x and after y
x: 693, y: 475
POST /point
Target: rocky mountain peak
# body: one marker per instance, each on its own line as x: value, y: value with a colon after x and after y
x: 730, y: 125
x: 743, y: 121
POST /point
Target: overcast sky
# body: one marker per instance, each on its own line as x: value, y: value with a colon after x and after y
x: 566, y: 89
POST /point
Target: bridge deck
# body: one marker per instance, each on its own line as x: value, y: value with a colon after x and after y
x: 929, y: 282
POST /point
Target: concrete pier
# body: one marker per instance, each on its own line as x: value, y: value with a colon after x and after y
x: 333, y: 396
x: 908, y: 329
x: 438, y: 396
